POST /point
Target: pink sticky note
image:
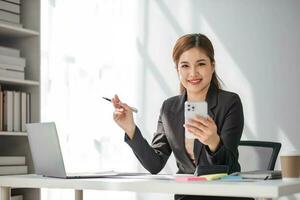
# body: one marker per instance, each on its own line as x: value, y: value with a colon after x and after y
x: 190, y: 178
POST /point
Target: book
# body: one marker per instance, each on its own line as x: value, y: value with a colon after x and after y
x: 7, y: 51
x: 259, y: 174
x: 16, y: 197
x: 2, y: 22
x: 13, y: 170
x: 23, y: 111
x: 9, y: 17
x: 12, y: 74
x: 10, y: 60
x: 14, y: 1
x: 17, y: 112
x: 12, y: 67
x: 1, y: 110
x: 28, y: 108
x: 8, y: 110
x: 10, y: 7
x: 12, y: 160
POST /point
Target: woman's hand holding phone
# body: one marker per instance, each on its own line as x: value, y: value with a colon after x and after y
x: 205, y: 130
x: 199, y: 125
x: 123, y: 116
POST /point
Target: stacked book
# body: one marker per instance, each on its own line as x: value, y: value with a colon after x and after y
x: 14, y: 110
x: 11, y: 64
x: 12, y: 165
x: 16, y: 197
x: 10, y: 12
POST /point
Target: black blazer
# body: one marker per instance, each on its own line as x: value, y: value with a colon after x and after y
x: 226, y: 110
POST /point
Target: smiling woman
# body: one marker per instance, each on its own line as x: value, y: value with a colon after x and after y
x: 199, y: 47
x: 217, y: 136
x: 195, y: 71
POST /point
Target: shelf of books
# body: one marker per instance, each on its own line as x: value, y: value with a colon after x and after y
x: 13, y: 31
x: 19, y: 87
x: 14, y: 81
x: 13, y: 133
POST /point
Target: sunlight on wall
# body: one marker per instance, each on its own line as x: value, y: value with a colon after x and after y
x: 230, y: 74
x: 82, y: 60
x: 287, y: 145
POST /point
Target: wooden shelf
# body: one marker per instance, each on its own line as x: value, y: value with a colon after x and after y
x: 11, y: 31
x: 27, y: 40
x: 11, y: 81
x: 8, y: 133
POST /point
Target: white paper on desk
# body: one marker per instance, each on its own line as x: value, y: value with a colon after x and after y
x: 134, y: 175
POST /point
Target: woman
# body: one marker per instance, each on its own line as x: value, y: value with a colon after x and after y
x: 217, y: 136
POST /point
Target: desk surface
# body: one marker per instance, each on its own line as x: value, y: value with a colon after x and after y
x: 260, y: 189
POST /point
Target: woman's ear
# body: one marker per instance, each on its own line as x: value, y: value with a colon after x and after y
x: 213, y: 66
x: 177, y: 71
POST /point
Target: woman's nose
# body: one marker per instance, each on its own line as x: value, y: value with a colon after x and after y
x: 194, y: 71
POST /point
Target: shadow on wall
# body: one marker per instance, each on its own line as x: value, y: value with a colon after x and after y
x: 265, y: 48
x: 262, y: 40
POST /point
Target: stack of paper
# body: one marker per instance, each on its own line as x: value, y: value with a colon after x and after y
x: 10, y: 12
x: 12, y: 165
x: 11, y: 64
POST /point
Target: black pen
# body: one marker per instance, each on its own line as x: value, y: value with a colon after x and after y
x: 132, y: 108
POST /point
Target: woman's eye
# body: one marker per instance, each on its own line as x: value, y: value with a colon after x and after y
x: 202, y: 64
x: 184, y: 66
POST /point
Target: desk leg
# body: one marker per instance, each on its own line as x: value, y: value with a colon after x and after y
x: 4, y: 193
x: 78, y: 195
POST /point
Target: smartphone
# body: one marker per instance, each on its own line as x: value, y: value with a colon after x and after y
x: 191, y: 109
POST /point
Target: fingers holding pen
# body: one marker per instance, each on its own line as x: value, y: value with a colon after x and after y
x: 118, y: 104
x: 118, y: 113
x: 125, y: 106
x: 116, y: 101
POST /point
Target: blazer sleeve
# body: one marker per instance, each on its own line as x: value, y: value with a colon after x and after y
x: 153, y: 157
x: 230, y: 135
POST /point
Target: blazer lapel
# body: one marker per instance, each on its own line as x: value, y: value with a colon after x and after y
x: 211, y: 99
x: 176, y: 117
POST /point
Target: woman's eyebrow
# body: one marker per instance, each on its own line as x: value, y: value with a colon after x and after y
x: 200, y: 60
x: 184, y: 62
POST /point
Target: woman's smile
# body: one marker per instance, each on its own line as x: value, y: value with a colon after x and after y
x: 195, y: 81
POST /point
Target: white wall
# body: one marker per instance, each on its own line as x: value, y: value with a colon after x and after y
x: 257, y: 48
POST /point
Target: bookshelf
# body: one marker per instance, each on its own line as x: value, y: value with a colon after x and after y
x: 9, y: 133
x: 16, y: 32
x: 27, y: 40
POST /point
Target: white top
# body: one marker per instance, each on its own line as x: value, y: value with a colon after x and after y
x: 260, y: 189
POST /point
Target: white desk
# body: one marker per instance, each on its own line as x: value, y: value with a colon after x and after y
x: 261, y: 189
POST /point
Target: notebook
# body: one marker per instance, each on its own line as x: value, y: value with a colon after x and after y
x: 259, y: 174
x: 47, y: 156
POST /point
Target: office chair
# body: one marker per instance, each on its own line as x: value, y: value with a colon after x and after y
x: 258, y: 155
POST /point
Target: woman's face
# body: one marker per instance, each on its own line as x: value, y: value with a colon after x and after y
x: 195, y: 70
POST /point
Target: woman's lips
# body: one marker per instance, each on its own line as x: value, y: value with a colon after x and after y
x: 195, y: 81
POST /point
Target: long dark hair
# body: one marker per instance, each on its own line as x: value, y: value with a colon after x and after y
x: 198, y: 40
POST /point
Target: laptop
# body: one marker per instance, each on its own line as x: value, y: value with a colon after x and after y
x: 47, y: 156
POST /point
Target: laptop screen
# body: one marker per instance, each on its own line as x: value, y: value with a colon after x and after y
x: 45, y: 149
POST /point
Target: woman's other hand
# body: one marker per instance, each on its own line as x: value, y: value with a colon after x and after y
x: 205, y: 129
x: 123, y: 116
